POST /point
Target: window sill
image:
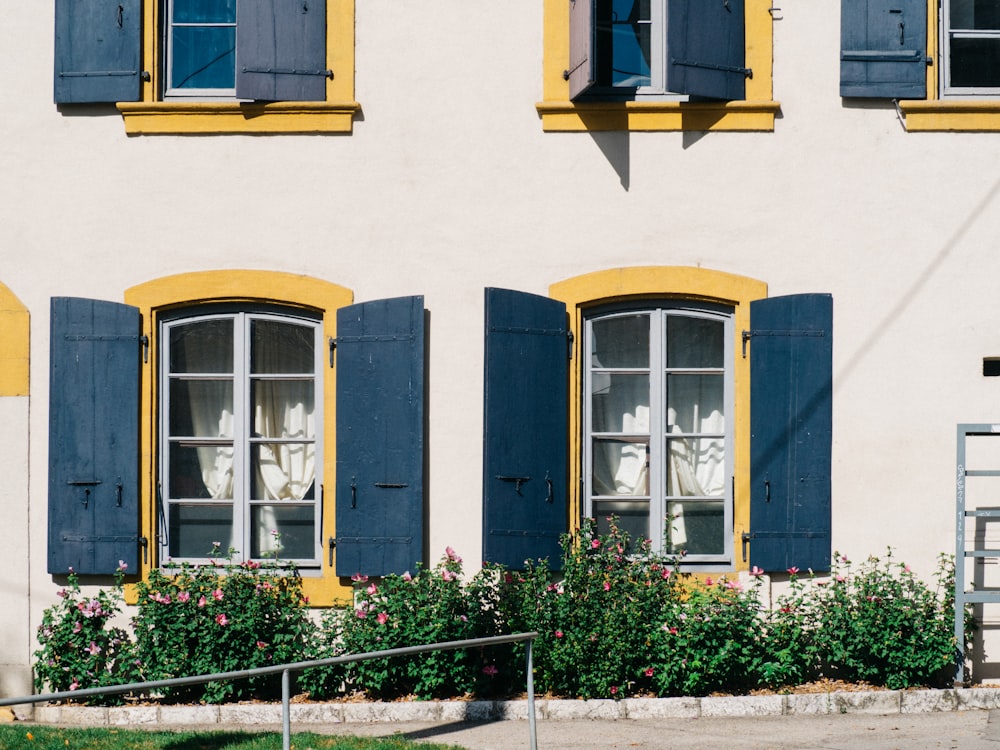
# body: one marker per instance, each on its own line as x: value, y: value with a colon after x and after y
x: 940, y: 115
x: 567, y: 116
x: 209, y: 118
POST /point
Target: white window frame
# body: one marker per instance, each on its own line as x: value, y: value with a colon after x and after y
x: 657, y: 88
x: 168, y: 44
x: 947, y: 90
x: 658, y: 423
x: 243, y: 439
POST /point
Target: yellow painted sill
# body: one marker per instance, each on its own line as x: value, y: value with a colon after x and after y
x: 568, y: 116
x: 160, y: 118
x: 940, y: 115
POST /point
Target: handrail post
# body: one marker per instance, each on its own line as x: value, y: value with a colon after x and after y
x: 532, y: 735
x: 286, y: 720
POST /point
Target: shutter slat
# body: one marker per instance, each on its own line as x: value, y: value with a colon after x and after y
x: 93, y: 436
x: 706, y: 48
x: 883, y: 49
x: 380, y: 437
x: 791, y: 366
x: 97, y: 50
x: 526, y: 412
x: 281, y: 50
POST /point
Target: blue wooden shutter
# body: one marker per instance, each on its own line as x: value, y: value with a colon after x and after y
x: 380, y: 436
x: 883, y: 48
x: 93, y: 436
x: 791, y: 366
x: 281, y: 50
x: 97, y: 51
x: 706, y: 48
x: 580, y: 73
x: 525, y: 443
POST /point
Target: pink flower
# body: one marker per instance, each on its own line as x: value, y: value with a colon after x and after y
x: 733, y: 586
x: 74, y: 685
x: 840, y: 578
x: 508, y: 578
x: 202, y: 601
x: 649, y: 672
x: 614, y: 689
x: 607, y: 585
x: 666, y: 573
x: 217, y: 595
x: 407, y: 577
x: 122, y: 565
x: 183, y: 597
x: 361, y: 613
x: 358, y: 578
x: 372, y: 590
x: 793, y: 570
x: 595, y: 543
x: 221, y: 619
x: 93, y: 649
x: 709, y: 581
x: 447, y: 575
x: 756, y: 572
x: 261, y: 644
x: 77, y: 627
x: 62, y: 593
x: 559, y: 634
x: 382, y: 618
x: 452, y: 555
x: 490, y: 670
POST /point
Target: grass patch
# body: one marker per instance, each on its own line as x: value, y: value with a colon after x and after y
x: 14, y: 737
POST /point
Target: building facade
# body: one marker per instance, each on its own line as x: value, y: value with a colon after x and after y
x: 384, y: 284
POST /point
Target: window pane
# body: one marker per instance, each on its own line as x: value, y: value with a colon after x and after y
x: 695, y: 468
x: 620, y: 403
x: 278, y: 348
x: 195, y: 530
x: 284, y: 408
x: 633, y: 517
x: 975, y: 14
x: 204, y: 11
x: 695, y: 342
x: 620, y: 342
x: 620, y: 468
x: 201, y: 408
x: 695, y: 403
x: 200, y: 471
x: 696, y: 528
x: 975, y: 62
x: 288, y: 532
x: 283, y: 471
x: 203, y: 57
x: 201, y: 347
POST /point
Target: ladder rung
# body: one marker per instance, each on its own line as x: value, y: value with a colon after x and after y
x: 982, y: 472
x: 983, y: 513
x: 985, y: 597
x: 982, y: 553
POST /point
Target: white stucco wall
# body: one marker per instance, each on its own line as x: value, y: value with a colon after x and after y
x: 448, y: 185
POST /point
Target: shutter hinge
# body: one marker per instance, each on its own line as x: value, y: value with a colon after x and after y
x: 747, y: 72
x: 569, y: 344
x: 333, y: 348
x: 745, y: 538
x: 144, y: 543
x: 747, y: 335
x: 331, y: 546
x: 144, y: 340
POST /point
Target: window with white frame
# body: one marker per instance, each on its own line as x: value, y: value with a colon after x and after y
x: 971, y: 47
x: 201, y: 48
x: 240, y: 435
x: 658, y: 427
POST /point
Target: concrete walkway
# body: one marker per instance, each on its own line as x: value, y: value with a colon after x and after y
x: 967, y: 719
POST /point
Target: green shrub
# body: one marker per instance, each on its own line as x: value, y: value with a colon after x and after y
x: 78, y: 647
x: 217, y: 618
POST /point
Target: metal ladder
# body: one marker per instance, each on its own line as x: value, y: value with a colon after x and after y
x: 962, y: 551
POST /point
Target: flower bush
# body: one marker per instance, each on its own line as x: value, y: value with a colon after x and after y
x: 216, y: 618
x: 79, y: 648
x: 615, y: 620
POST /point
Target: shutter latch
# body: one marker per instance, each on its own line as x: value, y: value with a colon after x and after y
x: 518, y: 481
x: 331, y: 545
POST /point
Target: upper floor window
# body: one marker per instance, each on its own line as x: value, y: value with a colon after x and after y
x: 971, y: 54
x: 658, y: 426
x: 240, y: 431
x: 201, y: 47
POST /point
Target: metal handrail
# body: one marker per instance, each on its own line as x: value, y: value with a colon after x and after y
x: 298, y: 666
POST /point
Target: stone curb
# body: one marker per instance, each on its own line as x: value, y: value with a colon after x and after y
x: 881, y: 702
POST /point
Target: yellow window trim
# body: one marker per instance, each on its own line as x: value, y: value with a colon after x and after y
x: 756, y: 113
x: 14, y: 344
x: 153, y: 116
x: 205, y: 287
x: 934, y: 114
x: 582, y: 293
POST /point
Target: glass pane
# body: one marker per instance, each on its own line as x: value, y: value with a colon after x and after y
x: 620, y: 403
x: 620, y: 342
x: 281, y: 348
x: 204, y: 11
x: 695, y: 342
x: 201, y: 408
x: 197, y: 530
x: 696, y: 528
x: 630, y: 43
x: 203, y: 57
x: 695, y: 403
x: 696, y: 468
x: 975, y: 14
x: 620, y: 468
x: 975, y: 62
x: 200, y: 471
x: 284, y: 409
x: 633, y: 517
x: 288, y: 532
x: 204, y: 346
x: 283, y: 471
